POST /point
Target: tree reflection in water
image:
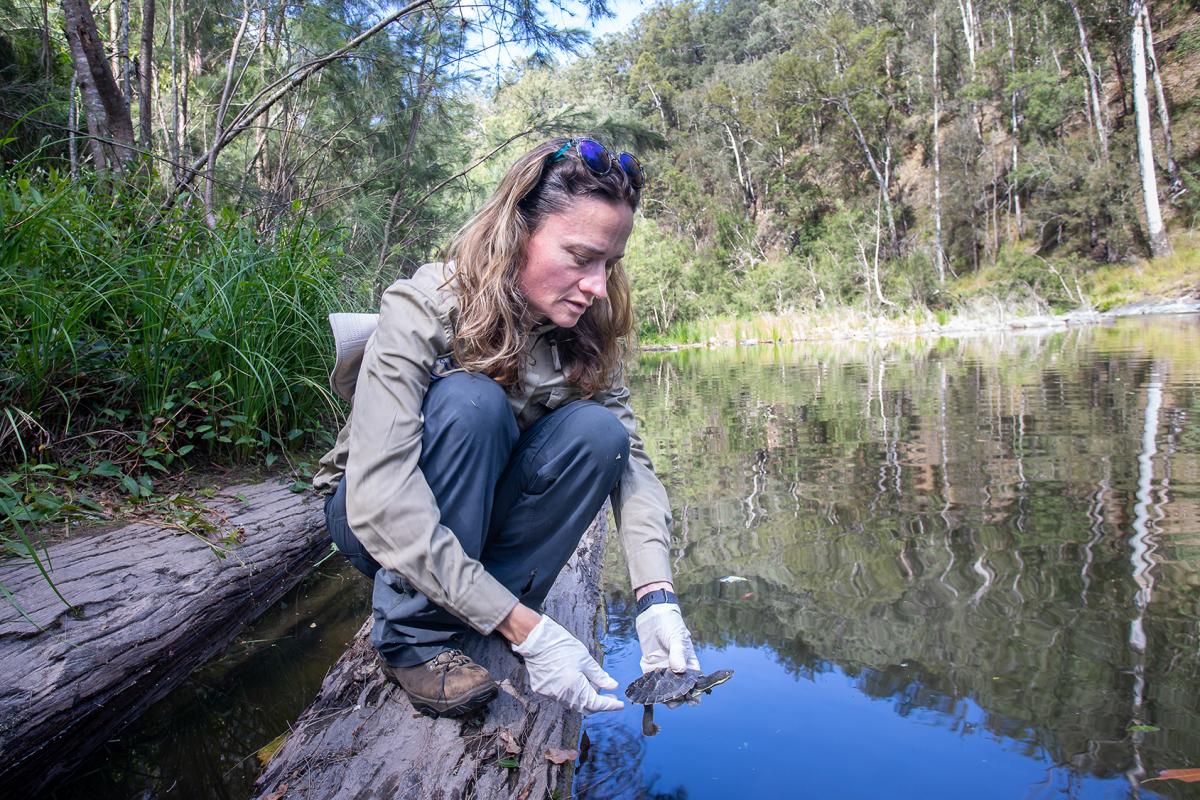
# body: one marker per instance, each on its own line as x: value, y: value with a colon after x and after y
x: 613, y: 770
x: 1006, y: 524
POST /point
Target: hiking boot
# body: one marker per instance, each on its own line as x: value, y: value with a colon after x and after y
x: 448, y: 685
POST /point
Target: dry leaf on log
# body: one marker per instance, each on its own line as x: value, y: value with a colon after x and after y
x: 560, y: 755
x: 508, y: 742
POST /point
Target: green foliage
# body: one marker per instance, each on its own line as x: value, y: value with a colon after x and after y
x: 125, y: 349
x: 1188, y: 42
x: 1082, y: 205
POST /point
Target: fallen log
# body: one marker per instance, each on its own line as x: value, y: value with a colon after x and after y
x: 150, y: 604
x: 362, y: 738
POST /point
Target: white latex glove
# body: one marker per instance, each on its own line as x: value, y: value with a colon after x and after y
x: 560, y: 667
x: 665, y: 639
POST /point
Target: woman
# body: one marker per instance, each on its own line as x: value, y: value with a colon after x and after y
x: 490, y: 421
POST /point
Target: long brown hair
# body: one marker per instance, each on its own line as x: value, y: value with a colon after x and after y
x: 494, y: 322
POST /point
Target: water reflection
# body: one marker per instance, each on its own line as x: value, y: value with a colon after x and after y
x: 996, y: 536
x: 202, y: 740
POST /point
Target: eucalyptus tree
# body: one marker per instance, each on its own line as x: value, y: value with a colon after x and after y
x: 1156, y: 231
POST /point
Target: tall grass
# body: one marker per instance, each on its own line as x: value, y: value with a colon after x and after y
x: 124, y: 347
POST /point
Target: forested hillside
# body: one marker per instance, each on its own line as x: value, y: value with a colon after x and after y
x: 188, y: 188
x: 819, y: 154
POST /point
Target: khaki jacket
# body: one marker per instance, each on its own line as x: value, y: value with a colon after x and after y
x: 391, y: 508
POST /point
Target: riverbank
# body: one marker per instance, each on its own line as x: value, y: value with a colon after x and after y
x: 851, y: 325
x: 1168, y: 285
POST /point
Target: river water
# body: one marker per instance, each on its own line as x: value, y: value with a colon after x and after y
x: 939, y: 569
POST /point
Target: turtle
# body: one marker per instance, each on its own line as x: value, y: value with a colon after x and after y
x: 664, y: 686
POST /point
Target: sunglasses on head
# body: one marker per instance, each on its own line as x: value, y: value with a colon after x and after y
x: 597, y: 158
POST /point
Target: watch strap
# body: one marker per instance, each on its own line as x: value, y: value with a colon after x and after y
x: 654, y: 598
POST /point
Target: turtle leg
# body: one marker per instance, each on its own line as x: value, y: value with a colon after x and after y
x: 648, y: 726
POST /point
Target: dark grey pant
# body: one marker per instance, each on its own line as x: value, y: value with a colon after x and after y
x: 518, y: 502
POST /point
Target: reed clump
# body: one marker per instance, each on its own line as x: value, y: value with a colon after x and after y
x: 127, y: 349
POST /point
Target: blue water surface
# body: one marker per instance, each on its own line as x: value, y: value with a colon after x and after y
x: 769, y: 733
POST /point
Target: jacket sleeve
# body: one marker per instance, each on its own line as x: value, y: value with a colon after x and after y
x: 389, y: 505
x: 639, y: 502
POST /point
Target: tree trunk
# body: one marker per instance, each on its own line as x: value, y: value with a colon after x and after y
x: 967, y: 11
x: 176, y: 135
x: 185, y: 82
x: 73, y: 125
x: 880, y: 168
x: 1014, y: 192
x: 146, y: 75
x: 150, y: 605
x: 938, y: 252
x: 46, y: 58
x: 1160, y: 97
x: 123, y: 50
x: 1156, y: 232
x: 1093, y: 75
x: 745, y: 182
x: 222, y: 108
x: 108, y: 117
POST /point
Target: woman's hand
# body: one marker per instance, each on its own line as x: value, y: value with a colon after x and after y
x: 560, y: 667
x: 665, y: 640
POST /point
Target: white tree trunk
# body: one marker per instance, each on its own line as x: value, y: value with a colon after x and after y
x: 1093, y: 74
x: 1013, y: 189
x: 938, y: 253
x: 1160, y: 98
x: 1156, y: 232
x: 967, y: 11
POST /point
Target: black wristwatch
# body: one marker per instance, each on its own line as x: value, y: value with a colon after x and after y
x: 654, y: 598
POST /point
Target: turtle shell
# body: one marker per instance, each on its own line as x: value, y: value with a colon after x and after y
x: 662, y: 685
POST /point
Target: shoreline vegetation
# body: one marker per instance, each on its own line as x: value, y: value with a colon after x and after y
x: 1164, y: 285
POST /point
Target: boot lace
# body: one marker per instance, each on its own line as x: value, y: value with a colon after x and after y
x: 447, y: 660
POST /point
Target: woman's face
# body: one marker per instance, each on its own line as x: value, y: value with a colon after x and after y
x: 568, y: 257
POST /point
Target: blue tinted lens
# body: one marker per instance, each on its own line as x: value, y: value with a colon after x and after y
x: 633, y: 169
x: 595, y: 156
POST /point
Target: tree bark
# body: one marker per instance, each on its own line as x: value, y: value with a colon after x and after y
x: 150, y: 605
x: 1093, y: 75
x: 146, y: 76
x: 938, y: 252
x: 880, y: 168
x: 1014, y: 192
x: 361, y: 737
x: 123, y: 51
x: 108, y: 117
x: 1160, y: 97
x: 967, y: 12
x: 73, y: 125
x: 176, y: 135
x: 1160, y: 245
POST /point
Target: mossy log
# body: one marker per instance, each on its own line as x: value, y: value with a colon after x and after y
x: 362, y: 738
x: 150, y: 604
